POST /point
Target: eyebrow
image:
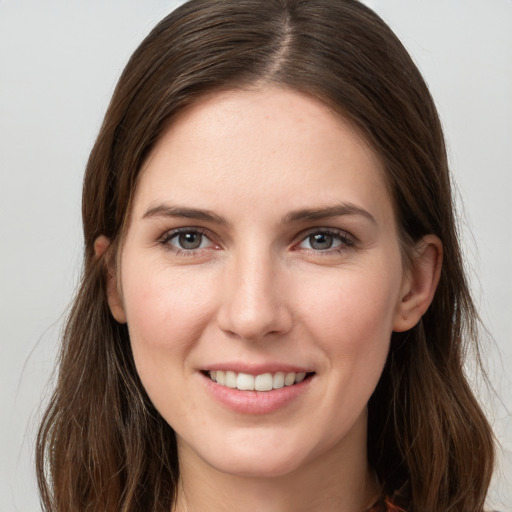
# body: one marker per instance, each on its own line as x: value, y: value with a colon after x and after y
x: 339, y: 210
x: 165, y: 210
x: 307, y: 214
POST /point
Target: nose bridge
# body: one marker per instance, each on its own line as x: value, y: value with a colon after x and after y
x: 254, y: 304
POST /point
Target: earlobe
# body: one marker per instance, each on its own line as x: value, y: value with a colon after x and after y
x: 420, y: 284
x: 114, y: 299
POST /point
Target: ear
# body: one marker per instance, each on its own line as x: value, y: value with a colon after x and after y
x: 113, y: 294
x: 420, y: 283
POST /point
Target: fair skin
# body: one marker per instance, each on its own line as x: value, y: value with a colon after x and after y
x: 286, y: 261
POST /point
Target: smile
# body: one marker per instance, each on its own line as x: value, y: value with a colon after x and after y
x: 262, y: 382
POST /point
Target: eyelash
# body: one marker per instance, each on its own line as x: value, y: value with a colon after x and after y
x: 346, y: 240
x: 167, y: 237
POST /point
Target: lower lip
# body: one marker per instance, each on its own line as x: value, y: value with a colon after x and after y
x: 256, y: 402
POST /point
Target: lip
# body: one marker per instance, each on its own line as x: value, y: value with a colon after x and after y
x: 255, y: 369
x: 255, y: 402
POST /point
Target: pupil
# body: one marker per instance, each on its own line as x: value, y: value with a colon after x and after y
x: 320, y: 241
x: 190, y: 240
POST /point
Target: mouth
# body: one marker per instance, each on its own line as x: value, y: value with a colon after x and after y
x: 261, y: 382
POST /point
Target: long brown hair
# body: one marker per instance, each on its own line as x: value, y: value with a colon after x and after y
x: 102, y: 445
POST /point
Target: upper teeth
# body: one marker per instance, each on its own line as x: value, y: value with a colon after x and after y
x: 262, y: 382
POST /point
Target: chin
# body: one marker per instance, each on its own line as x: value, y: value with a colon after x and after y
x: 261, y: 465
x: 268, y: 457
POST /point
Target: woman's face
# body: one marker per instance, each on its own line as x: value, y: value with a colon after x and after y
x: 262, y: 247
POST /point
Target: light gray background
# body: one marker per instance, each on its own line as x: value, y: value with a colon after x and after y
x: 59, y: 61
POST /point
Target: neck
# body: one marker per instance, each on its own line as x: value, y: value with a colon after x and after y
x: 337, y: 481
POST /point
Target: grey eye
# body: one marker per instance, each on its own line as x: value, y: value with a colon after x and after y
x: 320, y: 241
x: 325, y: 240
x: 189, y: 240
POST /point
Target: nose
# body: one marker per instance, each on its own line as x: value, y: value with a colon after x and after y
x: 254, y: 298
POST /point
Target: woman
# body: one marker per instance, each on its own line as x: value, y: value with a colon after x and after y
x: 273, y: 310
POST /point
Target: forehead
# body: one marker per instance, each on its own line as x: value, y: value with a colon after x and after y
x: 247, y: 147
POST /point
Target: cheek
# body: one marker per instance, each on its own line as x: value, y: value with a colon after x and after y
x: 166, y: 311
x: 352, y: 313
